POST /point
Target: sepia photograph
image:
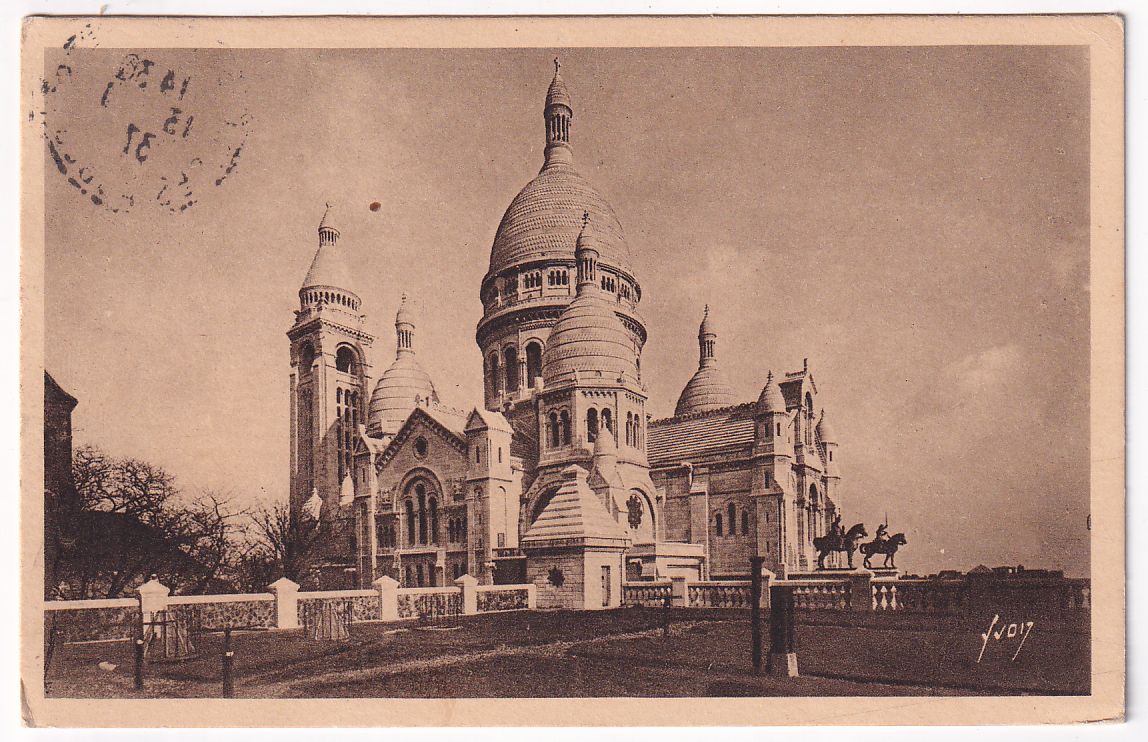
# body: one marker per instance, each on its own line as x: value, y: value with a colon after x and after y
x: 733, y: 360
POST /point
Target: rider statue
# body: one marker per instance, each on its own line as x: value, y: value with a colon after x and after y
x: 836, y: 529
x: 882, y: 533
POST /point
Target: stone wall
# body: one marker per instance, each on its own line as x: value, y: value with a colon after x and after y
x: 565, y: 568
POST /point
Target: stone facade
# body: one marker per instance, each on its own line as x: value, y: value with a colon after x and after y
x: 559, y: 478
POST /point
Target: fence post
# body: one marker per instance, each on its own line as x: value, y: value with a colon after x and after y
x: 679, y: 591
x: 782, y: 633
x: 755, y: 563
x: 469, y: 587
x: 531, y: 596
x: 153, y: 598
x: 228, y: 682
x: 388, y: 588
x: 139, y: 662
x: 860, y: 590
x: 286, y: 595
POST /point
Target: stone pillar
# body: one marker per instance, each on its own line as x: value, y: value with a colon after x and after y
x: 767, y: 579
x: 488, y: 578
x: 388, y: 588
x: 469, y: 586
x: 679, y: 592
x: 286, y: 595
x: 531, y: 596
x: 860, y: 590
x: 153, y: 598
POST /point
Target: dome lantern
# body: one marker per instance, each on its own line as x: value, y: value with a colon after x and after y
x: 558, y: 113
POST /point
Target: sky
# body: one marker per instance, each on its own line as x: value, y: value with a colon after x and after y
x: 913, y: 220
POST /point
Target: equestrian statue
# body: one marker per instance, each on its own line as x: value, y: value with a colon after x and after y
x: 883, y: 543
x: 838, y: 539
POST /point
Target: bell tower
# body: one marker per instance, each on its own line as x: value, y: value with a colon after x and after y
x: 329, y: 381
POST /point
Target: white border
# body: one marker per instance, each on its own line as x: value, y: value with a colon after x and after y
x: 1137, y: 514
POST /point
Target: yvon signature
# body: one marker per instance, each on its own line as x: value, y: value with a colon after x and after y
x: 1004, y: 634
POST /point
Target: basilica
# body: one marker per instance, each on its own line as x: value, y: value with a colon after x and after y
x: 559, y: 477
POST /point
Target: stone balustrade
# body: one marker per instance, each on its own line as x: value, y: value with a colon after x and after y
x: 830, y: 591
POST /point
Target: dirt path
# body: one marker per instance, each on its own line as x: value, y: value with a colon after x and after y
x: 252, y: 686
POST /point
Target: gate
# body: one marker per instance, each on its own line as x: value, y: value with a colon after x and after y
x: 327, y: 620
x: 439, y: 609
x: 171, y: 634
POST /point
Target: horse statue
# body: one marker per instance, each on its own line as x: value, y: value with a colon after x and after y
x: 846, y: 542
x: 888, y: 547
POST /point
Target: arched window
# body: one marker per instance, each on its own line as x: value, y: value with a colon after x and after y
x: 608, y: 421
x: 421, y: 500
x: 732, y: 519
x: 591, y: 425
x: 717, y: 524
x: 306, y: 358
x: 745, y: 523
x: 346, y: 360
x: 409, y: 506
x: 511, y: 355
x: 533, y: 362
x: 629, y: 429
x: 553, y: 431
x: 492, y: 378
x: 565, y: 424
x: 433, y: 521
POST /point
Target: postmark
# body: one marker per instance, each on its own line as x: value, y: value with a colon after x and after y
x: 140, y: 131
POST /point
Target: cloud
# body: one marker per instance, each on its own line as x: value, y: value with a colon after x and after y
x: 981, y: 385
x: 987, y: 373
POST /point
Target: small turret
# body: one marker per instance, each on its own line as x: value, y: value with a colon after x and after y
x: 772, y: 420
x: 828, y: 441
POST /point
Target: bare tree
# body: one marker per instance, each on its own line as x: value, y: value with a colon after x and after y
x: 279, y: 543
x: 132, y: 522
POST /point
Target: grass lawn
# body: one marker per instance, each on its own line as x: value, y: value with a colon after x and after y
x: 594, y: 653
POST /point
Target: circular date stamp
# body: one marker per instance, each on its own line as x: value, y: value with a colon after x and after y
x: 139, y: 130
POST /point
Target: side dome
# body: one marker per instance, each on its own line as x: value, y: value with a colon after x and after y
x: 543, y: 221
x: 401, y: 387
x: 706, y: 390
x: 589, y: 341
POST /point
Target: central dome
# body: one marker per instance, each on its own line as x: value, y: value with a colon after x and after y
x: 543, y: 220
